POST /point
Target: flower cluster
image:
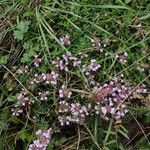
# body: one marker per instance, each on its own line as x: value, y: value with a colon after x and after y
x: 23, y: 70
x: 76, y: 112
x: 51, y: 78
x: 16, y: 111
x: 96, y: 44
x: 43, y: 95
x: 122, y: 57
x: 109, y: 102
x: 110, y: 98
x: 83, y: 55
x: 111, y: 110
x: 48, y: 78
x: 140, y: 69
x: 37, y: 61
x: 94, y: 66
x: 66, y: 60
x: 43, y: 139
x: 92, y: 81
x: 65, y: 40
x: 64, y: 92
x: 23, y: 100
x: 99, y: 46
x: 141, y: 89
x: 63, y: 107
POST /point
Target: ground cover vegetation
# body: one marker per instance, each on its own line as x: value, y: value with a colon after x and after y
x: 75, y: 75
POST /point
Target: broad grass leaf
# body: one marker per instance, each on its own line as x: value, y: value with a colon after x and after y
x: 127, y: 1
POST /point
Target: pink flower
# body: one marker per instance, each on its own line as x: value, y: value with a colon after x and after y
x: 43, y: 138
x: 16, y: 111
x: 43, y: 95
x: 51, y: 78
x: 104, y: 110
x: 122, y: 57
x: 23, y: 70
x: 94, y: 66
x: 37, y: 61
x: 64, y: 92
x: 65, y: 40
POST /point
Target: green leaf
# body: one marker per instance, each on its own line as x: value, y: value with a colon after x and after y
x: 143, y: 144
x: 27, y: 45
x: 127, y: 1
x: 145, y: 17
x: 23, y: 26
x: 123, y: 128
x: 24, y: 1
x: 24, y: 135
x: 30, y: 52
x: 5, y: 114
x: 27, y: 56
x: 15, y: 120
x: 3, y: 60
x: 18, y: 35
x: 123, y: 134
x: 108, y: 132
x: 11, y: 98
x: 2, y: 126
x: 55, y: 142
x: 100, y: 6
x: 110, y: 142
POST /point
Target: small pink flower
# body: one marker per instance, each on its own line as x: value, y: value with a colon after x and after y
x: 63, y: 106
x: 37, y: 61
x: 43, y: 95
x: 96, y: 44
x: 122, y: 57
x: 43, y: 138
x: 23, y: 70
x: 104, y: 110
x: 51, y: 78
x: 65, y: 40
x: 16, y: 111
x: 94, y: 66
x: 64, y: 92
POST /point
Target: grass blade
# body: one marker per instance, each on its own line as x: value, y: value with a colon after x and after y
x: 101, y: 6
x: 108, y: 132
x: 83, y: 19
